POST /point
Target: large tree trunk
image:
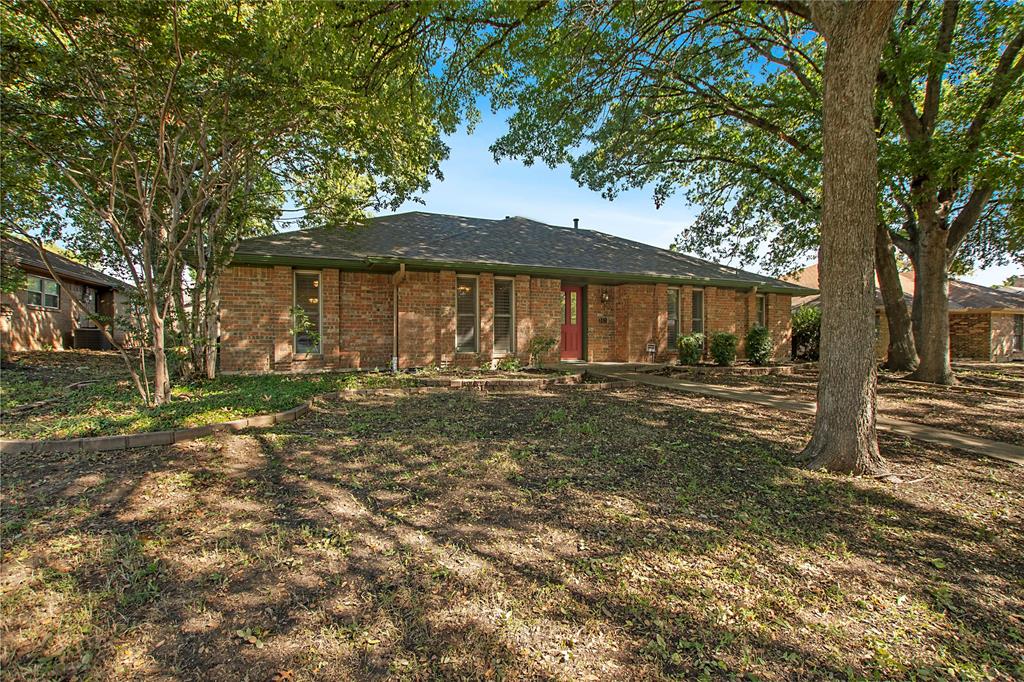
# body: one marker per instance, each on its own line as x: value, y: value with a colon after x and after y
x: 902, y: 353
x: 844, y: 438
x: 931, y: 298
x: 161, y: 376
x: 212, y: 328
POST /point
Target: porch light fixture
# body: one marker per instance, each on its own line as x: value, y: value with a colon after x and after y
x: 604, y: 296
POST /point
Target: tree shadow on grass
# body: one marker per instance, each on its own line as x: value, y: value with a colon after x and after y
x: 628, y: 534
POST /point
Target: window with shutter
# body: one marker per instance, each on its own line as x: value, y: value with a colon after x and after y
x: 307, y: 323
x: 673, y: 317
x: 466, y: 315
x: 504, y: 315
x: 697, y: 324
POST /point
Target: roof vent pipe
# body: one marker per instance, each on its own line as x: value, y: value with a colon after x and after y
x: 575, y: 223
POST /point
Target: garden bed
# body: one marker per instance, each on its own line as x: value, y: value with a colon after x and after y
x: 705, y: 370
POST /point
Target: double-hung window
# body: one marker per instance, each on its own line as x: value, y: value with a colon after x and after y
x: 673, y: 317
x: 466, y: 315
x: 43, y: 292
x: 504, y: 315
x: 762, y: 310
x: 307, y: 311
x: 697, y: 320
x: 1018, y: 332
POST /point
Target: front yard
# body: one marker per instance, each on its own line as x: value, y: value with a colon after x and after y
x: 988, y: 415
x: 624, y: 534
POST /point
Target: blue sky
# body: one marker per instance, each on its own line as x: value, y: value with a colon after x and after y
x: 475, y: 185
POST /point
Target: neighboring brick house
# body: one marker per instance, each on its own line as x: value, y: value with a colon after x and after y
x: 418, y: 289
x: 985, y: 323
x: 42, y: 316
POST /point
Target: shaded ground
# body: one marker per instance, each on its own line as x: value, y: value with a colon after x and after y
x: 997, y: 417
x: 627, y: 534
x: 1003, y: 375
x: 71, y: 394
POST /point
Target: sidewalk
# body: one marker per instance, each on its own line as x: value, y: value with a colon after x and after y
x: 961, y: 441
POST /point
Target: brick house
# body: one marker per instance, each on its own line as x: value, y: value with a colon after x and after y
x: 42, y: 316
x: 985, y: 323
x: 418, y: 289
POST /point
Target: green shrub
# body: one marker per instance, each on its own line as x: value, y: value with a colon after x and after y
x: 759, y: 345
x: 509, y: 363
x: 806, y: 332
x: 540, y: 346
x: 723, y: 348
x: 691, y: 348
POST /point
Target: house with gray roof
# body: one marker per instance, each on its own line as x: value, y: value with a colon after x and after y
x: 985, y: 323
x: 42, y: 315
x: 418, y: 289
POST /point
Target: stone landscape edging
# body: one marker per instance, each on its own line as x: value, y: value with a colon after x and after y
x: 154, y: 438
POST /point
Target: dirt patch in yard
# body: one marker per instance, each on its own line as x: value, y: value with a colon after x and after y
x: 631, y: 534
x: 998, y: 417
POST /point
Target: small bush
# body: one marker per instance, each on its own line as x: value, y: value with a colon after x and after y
x: 723, y: 348
x: 539, y: 347
x: 509, y: 364
x: 759, y: 345
x: 691, y: 348
x: 806, y: 332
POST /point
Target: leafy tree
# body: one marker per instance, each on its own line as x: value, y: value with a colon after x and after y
x: 167, y: 132
x: 725, y: 101
x: 737, y: 130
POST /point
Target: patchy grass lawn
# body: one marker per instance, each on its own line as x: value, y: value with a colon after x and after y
x: 627, y: 534
x: 998, y: 417
x: 102, y: 400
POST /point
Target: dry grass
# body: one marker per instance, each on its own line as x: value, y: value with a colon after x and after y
x: 988, y: 415
x: 631, y: 534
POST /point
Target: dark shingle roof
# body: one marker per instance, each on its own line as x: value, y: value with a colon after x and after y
x: 962, y: 295
x: 26, y: 256
x: 419, y: 238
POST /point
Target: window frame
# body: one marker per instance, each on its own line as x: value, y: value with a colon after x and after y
x: 511, y: 316
x: 476, y: 313
x: 319, y: 316
x: 761, y: 310
x: 676, y: 292
x: 703, y: 311
x: 41, y: 291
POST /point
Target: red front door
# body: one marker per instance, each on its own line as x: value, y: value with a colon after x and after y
x: 572, y: 323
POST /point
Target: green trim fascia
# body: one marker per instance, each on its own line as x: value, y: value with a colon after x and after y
x: 589, y: 276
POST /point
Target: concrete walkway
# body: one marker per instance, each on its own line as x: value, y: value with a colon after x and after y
x: 962, y: 441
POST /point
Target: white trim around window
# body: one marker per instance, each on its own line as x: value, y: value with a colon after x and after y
x: 475, y: 347
x: 40, y: 293
x: 511, y: 315
x: 318, y: 349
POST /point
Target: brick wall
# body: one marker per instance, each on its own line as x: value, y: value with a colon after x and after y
x: 25, y: 327
x: 600, y: 322
x: 1002, y: 338
x: 970, y: 335
x: 254, y: 319
x: 358, y: 319
x: 366, y: 317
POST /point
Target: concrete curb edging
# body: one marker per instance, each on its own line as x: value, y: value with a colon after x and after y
x: 152, y: 438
